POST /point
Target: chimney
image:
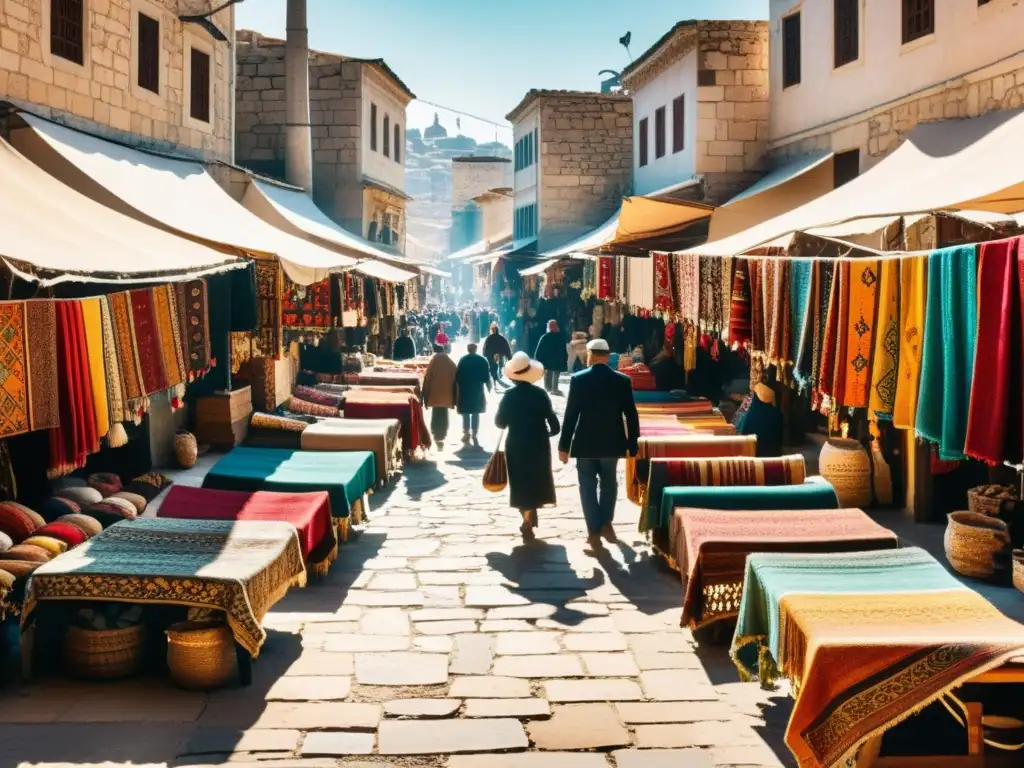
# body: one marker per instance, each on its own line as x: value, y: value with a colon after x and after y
x: 298, y: 142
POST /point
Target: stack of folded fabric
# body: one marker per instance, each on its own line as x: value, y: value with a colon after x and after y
x: 640, y: 375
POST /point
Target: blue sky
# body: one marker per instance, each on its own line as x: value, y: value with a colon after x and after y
x: 482, y: 56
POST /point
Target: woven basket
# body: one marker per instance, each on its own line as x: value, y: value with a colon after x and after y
x: 103, y: 654
x: 1018, y: 569
x: 847, y: 466
x: 987, y: 499
x: 186, y: 450
x: 200, y: 655
x: 977, y: 545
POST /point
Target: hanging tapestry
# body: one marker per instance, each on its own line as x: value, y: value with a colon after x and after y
x: 147, y: 341
x: 269, y: 286
x: 913, y: 295
x: 777, y: 317
x: 75, y: 438
x: 241, y: 349
x: 754, y: 269
x: 178, y: 331
x: 606, y: 278
x: 859, y: 341
x: 197, y: 318
x: 689, y: 287
x: 712, y: 312
x: 824, y: 272
x: 947, y: 361
x: 167, y: 336
x: 14, y: 383
x: 589, y: 279
x: 662, y: 283
x: 93, y: 321
x: 739, y: 305
x: 886, y: 357
x: 127, y: 350
x: 994, y: 420
x: 307, y: 308
x: 112, y: 367
x: 801, y: 273
x: 831, y: 335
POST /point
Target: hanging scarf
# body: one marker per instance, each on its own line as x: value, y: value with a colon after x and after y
x: 757, y: 336
x: 711, y: 310
x: 913, y: 295
x: 75, y: 438
x: 777, y: 302
x: 855, y: 365
x: 950, y: 336
x: 147, y: 340
x: 831, y: 336
x: 725, y: 291
x: 803, y: 285
x: 168, y: 336
x: 739, y: 304
x: 606, y: 278
x: 886, y: 356
x: 662, y: 283
x: 993, y: 425
x: 116, y: 399
x: 92, y: 320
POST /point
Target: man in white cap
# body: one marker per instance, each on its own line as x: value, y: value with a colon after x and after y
x: 601, y: 426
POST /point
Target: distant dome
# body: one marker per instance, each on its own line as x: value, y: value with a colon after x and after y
x: 436, y: 131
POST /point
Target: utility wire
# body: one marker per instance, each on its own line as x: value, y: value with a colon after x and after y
x: 504, y: 126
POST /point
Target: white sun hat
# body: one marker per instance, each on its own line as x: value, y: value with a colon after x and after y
x: 522, y: 368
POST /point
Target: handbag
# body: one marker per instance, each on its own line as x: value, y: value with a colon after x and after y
x: 496, y: 472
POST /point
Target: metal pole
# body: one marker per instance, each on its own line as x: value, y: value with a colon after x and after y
x: 298, y: 142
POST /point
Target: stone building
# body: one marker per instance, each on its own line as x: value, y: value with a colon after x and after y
x: 572, y: 166
x: 700, y: 110
x: 473, y: 176
x: 357, y: 111
x: 896, y: 63
x: 127, y: 70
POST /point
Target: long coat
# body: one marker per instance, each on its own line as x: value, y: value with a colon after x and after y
x: 601, y: 420
x: 472, y: 376
x: 553, y: 352
x: 439, y: 382
x: 525, y: 410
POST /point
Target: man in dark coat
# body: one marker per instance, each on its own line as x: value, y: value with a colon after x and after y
x: 404, y: 348
x: 601, y: 426
x: 553, y: 354
x: 471, y: 377
x: 496, y: 351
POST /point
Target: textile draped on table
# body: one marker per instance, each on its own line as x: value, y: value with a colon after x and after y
x: 886, y: 355
x: 269, y: 287
x: 913, y: 295
x: 75, y: 438
x: 663, y: 300
x: 214, y: 564
x: 947, y: 363
x: 147, y: 340
x: 854, y: 368
x: 93, y: 320
x: 691, y: 446
x: 739, y: 306
x: 994, y: 421
x: 198, y: 328
x: 712, y: 312
x: 801, y: 274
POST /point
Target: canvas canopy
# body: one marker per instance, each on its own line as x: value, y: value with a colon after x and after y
x: 536, y: 269
x: 176, y: 195
x: 969, y: 164
x: 47, y: 225
x: 382, y: 271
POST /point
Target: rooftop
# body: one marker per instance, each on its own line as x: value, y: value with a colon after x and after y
x: 480, y: 159
x: 541, y: 93
x: 643, y: 58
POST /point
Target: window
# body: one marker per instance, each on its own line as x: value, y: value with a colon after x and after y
x: 918, y: 19
x: 525, y: 223
x: 373, y: 127
x: 199, y: 104
x: 678, y: 124
x: 536, y: 145
x: 791, y: 50
x: 845, y: 167
x: 149, y: 53
x: 526, y: 151
x: 67, y: 29
x: 643, y: 143
x: 659, y: 132
x: 398, y: 143
x: 847, y: 31
x: 387, y: 136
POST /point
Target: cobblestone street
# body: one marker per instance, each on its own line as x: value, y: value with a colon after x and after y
x: 438, y: 639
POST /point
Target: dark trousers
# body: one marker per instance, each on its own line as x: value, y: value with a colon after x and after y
x: 598, y: 504
x: 496, y: 372
x: 550, y: 380
x: 439, y: 423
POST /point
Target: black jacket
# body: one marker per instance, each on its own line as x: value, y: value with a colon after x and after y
x: 601, y: 421
x: 552, y: 351
x: 404, y: 349
x: 496, y: 344
x: 471, y: 377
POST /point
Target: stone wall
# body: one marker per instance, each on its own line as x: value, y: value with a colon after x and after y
x: 586, y: 162
x: 101, y: 95
x: 475, y: 175
x: 732, y: 105
x: 876, y: 133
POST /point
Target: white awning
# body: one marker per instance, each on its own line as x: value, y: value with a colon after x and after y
x: 781, y: 190
x: 47, y: 225
x: 382, y: 271
x: 536, y: 269
x: 177, y: 195
x: 426, y: 269
x: 968, y: 164
x: 593, y: 239
x: 295, y: 212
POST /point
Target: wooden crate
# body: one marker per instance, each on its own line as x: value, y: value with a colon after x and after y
x: 222, y: 419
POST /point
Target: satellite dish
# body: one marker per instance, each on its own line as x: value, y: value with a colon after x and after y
x: 624, y: 41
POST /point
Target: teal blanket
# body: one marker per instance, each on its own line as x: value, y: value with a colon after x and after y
x: 345, y: 475
x: 771, y: 576
x: 813, y: 493
x: 799, y: 304
x: 947, y: 357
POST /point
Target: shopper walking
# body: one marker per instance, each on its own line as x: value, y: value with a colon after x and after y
x: 439, y: 392
x: 526, y: 412
x: 404, y: 348
x: 472, y: 376
x: 553, y: 354
x: 601, y: 426
x: 496, y: 351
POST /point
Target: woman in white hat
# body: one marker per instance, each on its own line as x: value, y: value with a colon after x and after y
x: 526, y: 412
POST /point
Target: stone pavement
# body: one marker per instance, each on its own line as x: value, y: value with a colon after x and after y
x: 438, y: 639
